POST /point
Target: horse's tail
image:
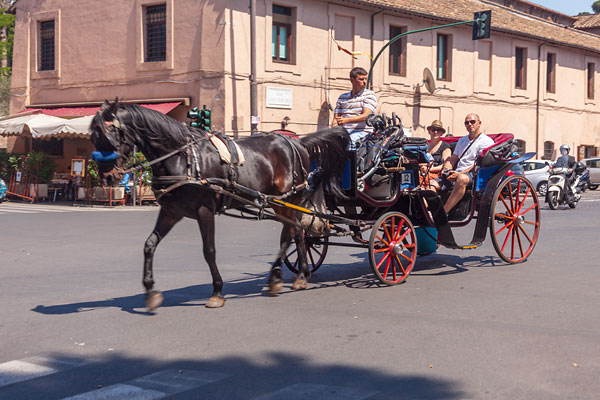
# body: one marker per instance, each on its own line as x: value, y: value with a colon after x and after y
x: 328, y: 148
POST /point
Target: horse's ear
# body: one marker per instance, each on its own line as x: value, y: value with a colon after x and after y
x: 108, y: 109
x: 105, y: 106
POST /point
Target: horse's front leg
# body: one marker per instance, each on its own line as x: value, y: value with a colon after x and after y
x: 163, y: 225
x: 206, y: 221
x: 276, y: 276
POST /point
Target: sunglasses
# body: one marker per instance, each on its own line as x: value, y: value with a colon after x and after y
x: 436, y: 130
x: 472, y: 122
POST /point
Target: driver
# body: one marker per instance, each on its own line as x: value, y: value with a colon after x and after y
x: 352, y: 108
x: 463, y: 159
x: 566, y: 161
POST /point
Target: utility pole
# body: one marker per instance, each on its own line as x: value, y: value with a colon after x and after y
x: 253, y: 107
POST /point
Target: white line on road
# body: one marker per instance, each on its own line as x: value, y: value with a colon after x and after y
x: 153, y: 386
x: 308, y: 391
x: 34, y: 367
x: 18, y: 371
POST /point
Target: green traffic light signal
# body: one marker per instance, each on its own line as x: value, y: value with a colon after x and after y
x: 482, y: 25
x: 205, y: 119
x: 201, y: 118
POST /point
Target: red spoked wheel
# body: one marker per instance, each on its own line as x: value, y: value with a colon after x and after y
x: 515, y: 222
x: 393, y: 248
x: 316, y: 250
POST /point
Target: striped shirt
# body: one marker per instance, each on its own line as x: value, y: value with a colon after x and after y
x: 348, y: 106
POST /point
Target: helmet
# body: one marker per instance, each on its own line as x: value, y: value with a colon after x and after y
x: 565, y: 147
x: 579, y: 168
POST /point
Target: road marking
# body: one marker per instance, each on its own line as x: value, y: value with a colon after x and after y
x: 34, y: 367
x: 36, y: 209
x: 154, y: 386
x: 309, y: 391
x: 18, y: 371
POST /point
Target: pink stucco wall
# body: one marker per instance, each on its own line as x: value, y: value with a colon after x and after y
x: 99, y: 56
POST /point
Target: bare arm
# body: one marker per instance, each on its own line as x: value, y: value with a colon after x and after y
x: 357, y: 118
x: 445, y: 155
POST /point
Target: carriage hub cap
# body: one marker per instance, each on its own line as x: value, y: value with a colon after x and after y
x: 397, y: 248
x: 519, y: 219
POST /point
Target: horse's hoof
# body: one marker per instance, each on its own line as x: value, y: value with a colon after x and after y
x: 299, y: 284
x: 215, y: 302
x: 153, y: 300
x: 275, y: 288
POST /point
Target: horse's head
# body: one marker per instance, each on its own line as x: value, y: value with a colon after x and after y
x: 112, y: 142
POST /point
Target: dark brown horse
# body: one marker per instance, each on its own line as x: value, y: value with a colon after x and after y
x: 182, y: 158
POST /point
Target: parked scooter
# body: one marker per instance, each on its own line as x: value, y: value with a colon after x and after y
x: 584, y: 182
x: 560, y: 191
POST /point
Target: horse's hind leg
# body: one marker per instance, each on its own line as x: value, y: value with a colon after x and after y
x: 206, y: 221
x: 163, y: 225
x: 276, y: 275
x: 303, y: 270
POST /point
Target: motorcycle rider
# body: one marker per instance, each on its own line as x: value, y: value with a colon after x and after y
x: 566, y: 161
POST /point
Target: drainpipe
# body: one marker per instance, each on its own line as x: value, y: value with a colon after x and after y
x: 537, y: 102
x: 373, y: 33
x: 253, y: 107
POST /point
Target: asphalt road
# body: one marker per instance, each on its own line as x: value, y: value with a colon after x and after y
x: 463, y: 326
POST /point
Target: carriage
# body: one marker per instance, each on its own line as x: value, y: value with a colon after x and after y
x: 386, y: 194
x: 380, y: 190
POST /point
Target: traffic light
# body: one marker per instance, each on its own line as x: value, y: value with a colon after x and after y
x: 200, y: 118
x: 482, y: 24
x: 205, y: 122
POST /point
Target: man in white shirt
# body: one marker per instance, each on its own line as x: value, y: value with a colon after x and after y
x: 352, y: 108
x: 465, y: 154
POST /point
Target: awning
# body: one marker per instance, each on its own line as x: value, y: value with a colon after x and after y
x: 42, y: 126
x: 70, y: 112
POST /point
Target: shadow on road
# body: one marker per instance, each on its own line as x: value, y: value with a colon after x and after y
x: 265, y: 376
x: 356, y: 275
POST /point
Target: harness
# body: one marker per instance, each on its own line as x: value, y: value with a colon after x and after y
x: 162, y: 185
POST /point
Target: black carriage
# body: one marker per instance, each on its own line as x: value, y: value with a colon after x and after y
x: 385, y: 195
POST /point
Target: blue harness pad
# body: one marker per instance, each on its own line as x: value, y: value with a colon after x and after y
x: 101, y: 156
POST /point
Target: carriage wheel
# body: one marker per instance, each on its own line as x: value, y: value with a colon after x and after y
x: 316, y: 250
x: 393, y: 248
x: 515, y: 222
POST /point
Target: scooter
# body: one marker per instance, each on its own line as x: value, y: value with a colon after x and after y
x: 559, y: 191
x: 584, y: 182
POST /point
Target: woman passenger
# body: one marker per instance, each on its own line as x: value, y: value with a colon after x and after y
x: 440, y: 151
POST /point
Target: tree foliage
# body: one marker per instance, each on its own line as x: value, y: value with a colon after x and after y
x: 7, y: 38
x: 596, y: 6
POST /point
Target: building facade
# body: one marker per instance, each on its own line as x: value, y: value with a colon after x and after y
x: 535, y: 76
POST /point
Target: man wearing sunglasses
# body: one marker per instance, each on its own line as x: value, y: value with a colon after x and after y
x: 463, y: 159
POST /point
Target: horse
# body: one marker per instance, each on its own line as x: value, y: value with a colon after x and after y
x: 183, y: 161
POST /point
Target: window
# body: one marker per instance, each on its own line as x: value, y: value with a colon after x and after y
x: 443, y: 57
x: 398, y: 51
x: 591, y: 70
x: 46, y: 46
x: 54, y: 146
x: 548, y: 150
x: 520, y: 146
x: 521, y: 68
x: 156, y: 33
x: 281, y: 43
x: 551, y: 73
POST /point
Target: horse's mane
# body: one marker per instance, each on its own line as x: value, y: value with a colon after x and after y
x: 159, y: 129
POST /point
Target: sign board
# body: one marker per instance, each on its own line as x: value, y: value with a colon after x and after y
x: 279, y: 97
x: 77, y: 167
x: 18, y: 177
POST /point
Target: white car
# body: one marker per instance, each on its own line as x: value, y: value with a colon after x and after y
x: 537, y: 172
x: 593, y: 165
